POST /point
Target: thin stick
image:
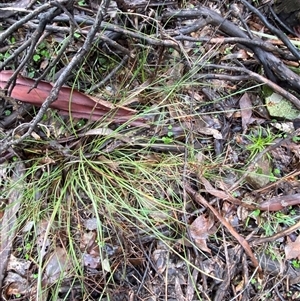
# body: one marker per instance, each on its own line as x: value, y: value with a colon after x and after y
x: 243, y: 242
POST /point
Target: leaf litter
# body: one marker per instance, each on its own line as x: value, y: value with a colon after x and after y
x: 149, y: 188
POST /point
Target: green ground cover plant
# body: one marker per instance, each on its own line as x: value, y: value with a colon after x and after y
x: 164, y: 204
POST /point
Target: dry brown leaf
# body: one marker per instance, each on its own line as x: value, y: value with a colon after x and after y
x: 160, y: 257
x: 246, y: 110
x: 292, y: 249
x: 200, y: 200
x: 69, y: 101
x: 43, y: 241
x: 200, y: 229
x: 178, y: 290
x: 17, y: 280
x: 91, y: 261
x: 57, y: 266
x: 90, y: 249
x: 16, y: 285
x: 215, y: 192
x: 210, y: 132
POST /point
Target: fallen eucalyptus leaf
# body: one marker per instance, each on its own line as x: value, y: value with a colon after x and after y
x: 69, y: 101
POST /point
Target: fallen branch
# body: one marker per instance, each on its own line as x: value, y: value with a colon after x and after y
x: 252, y: 75
x: 274, y: 68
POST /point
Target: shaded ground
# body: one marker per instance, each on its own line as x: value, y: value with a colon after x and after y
x: 166, y: 168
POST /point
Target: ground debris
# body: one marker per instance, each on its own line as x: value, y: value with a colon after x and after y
x: 150, y: 166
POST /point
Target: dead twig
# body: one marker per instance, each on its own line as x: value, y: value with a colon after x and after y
x: 236, y: 40
x: 276, y: 236
x: 110, y: 75
x: 77, y: 59
x: 200, y: 200
x: 5, y: 34
x: 274, y: 68
x: 259, y: 78
x: 274, y: 30
x: 44, y: 19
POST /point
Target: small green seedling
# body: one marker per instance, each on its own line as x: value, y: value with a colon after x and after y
x: 167, y: 140
x: 296, y: 263
x: 81, y: 3
x: 170, y: 132
x: 296, y: 139
x: 253, y: 281
x: 259, y: 141
x: 77, y: 35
